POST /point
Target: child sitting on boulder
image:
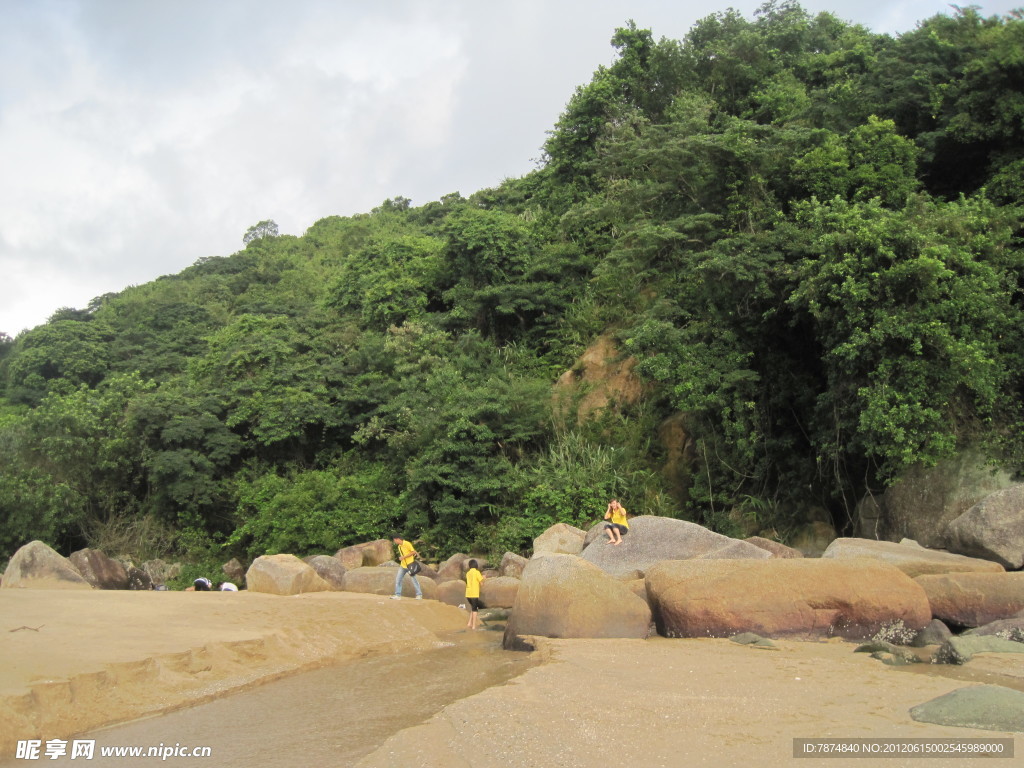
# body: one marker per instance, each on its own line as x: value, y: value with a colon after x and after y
x: 616, y: 527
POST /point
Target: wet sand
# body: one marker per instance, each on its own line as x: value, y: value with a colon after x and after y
x: 73, y: 662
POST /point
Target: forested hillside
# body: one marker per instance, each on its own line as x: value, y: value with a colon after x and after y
x: 807, y: 236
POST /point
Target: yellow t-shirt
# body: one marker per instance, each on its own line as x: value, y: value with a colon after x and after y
x: 473, y: 579
x: 406, y: 553
x: 619, y: 517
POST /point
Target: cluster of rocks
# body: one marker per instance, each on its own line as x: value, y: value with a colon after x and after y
x: 37, y: 565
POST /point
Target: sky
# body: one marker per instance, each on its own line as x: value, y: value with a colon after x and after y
x: 138, y: 136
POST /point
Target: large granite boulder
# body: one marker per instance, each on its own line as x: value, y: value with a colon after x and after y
x: 652, y: 540
x: 329, y: 569
x: 909, y: 556
x: 99, y: 570
x: 160, y: 572
x: 453, y: 568
x: 450, y: 592
x: 38, y: 566
x: 560, y: 539
x: 959, y: 649
x: 921, y: 504
x: 499, y: 592
x: 803, y: 598
x: 367, y: 554
x: 381, y: 581
x: 234, y: 570
x: 974, y: 599
x: 283, y: 575
x: 512, y: 565
x: 993, y: 528
x: 777, y: 549
x: 988, y: 707
x: 565, y: 596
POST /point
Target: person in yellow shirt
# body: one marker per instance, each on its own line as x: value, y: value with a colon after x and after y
x: 617, y: 526
x: 406, y: 557
x: 473, y: 580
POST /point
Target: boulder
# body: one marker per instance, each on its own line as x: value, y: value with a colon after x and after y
x: 234, y: 570
x: 910, y: 557
x: 367, y: 554
x: 776, y: 549
x: 654, y: 539
x: 924, y: 500
x: 99, y: 570
x: 499, y: 592
x: 993, y: 528
x: 813, y: 538
x: 565, y: 596
x: 283, y: 575
x: 959, y: 649
x: 161, y: 572
x: 936, y: 633
x: 381, y: 581
x: 988, y: 707
x: 801, y: 598
x: 451, y: 592
x: 138, y: 579
x: 974, y: 599
x: 452, y: 568
x: 512, y: 565
x: 559, y: 539
x: 38, y: 566
x: 329, y: 569
x: 1009, y: 629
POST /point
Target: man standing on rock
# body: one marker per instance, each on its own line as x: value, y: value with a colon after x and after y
x: 406, y: 560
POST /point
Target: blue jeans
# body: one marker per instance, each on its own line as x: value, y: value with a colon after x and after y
x: 398, y: 581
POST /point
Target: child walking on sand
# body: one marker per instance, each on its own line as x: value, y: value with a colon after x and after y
x: 473, y: 580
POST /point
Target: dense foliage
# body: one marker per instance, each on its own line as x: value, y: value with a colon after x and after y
x: 807, y: 235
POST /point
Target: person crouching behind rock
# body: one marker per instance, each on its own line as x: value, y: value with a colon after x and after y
x: 616, y: 527
x: 202, y: 584
x: 473, y: 580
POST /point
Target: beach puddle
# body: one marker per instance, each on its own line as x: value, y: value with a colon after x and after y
x: 330, y: 716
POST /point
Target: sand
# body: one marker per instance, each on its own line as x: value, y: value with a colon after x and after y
x: 77, y: 660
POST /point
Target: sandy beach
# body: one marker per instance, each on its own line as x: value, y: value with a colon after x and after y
x: 74, y: 661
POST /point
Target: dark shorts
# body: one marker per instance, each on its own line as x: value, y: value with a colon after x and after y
x: 623, y: 530
x: 474, y: 603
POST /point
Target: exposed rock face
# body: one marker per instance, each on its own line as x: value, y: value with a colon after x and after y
x: 283, y: 575
x: 512, y: 565
x: 234, y: 570
x: 161, y: 572
x: 452, y: 568
x: 381, y: 581
x: 329, y: 569
x: 974, y: 599
x: 993, y: 528
x: 565, y: 596
x: 138, y: 579
x: 805, y: 598
x: 911, y: 558
x: 99, y: 570
x: 922, y: 503
x: 38, y: 566
x: 599, y: 380
x: 559, y: 539
x: 654, y: 539
x: 774, y: 547
x: 499, y: 592
x: 368, y: 554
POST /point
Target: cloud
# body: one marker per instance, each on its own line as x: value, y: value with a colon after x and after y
x: 138, y: 137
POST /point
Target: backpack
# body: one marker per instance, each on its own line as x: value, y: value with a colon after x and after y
x: 414, y: 568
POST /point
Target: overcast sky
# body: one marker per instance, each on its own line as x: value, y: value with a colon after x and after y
x: 137, y: 136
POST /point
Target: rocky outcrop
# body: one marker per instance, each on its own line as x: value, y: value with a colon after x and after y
x: 367, y: 554
x: 993, y: 528
x: 909, y: 556
x: 452, y: 568
x: 283, y: 575
x: 601, y: 379
x: 329, y: 569
x: 499, y: 592
x: 99, y: 570
x: 512, y: 565
x: 381, y: 581
x: 234, y: 570
x: 565, y: 596
x: 805, y: 598
x: 775, y: 548
x: 988, y: 707
x: 922, y: 503
x: 559, y: 539
x: 652, y: 540
x: 38, y: 566
x: 451, y: 592
x: 974, y: 599
x: 936, y: 633
x: 959, y: 649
